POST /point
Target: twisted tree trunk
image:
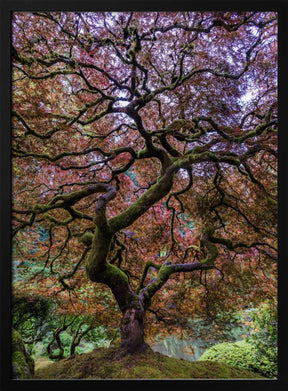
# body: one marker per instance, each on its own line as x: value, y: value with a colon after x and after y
x: 132, y: 328
x: 133, y: 305
x: 99, y: 270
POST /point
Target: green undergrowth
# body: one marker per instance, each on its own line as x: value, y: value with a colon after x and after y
x: 104, y: 363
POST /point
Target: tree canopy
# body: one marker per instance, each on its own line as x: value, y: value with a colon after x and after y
x: 145, y: 161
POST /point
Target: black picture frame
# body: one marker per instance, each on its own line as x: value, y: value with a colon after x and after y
x: 7, y: 7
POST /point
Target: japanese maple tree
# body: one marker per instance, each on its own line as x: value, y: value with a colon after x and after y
x: 145, y: 146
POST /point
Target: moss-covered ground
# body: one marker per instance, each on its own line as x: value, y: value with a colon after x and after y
x: 105, y: 363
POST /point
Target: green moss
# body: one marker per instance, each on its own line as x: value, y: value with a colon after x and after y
x: 229, y: 244
x: 22, y: 363
x: 116, y: 272
x: 39, y: 208
x: 163, y: 275
x: 106, y: 364
x: 139, y: 207
x: 98, y: 254
x: 271, y: 201
x: 87, y: 238
x: 212, y: 251
x: 26, y: 60
x: 149, y: 97
x: 164, y: 272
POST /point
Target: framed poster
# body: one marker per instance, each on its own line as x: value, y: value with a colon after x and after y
x: 143, y: 168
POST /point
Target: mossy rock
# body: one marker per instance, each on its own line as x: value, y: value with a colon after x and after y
x: 106, y: 363
x: 22, y: 363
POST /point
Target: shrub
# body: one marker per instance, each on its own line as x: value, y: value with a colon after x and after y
x: 263, y: 336
x: 240, y: 354
x: 258, y: 352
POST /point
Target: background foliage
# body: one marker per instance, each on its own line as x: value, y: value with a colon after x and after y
x: 258, y: 351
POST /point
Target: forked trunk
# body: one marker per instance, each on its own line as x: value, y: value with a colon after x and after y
x: 132, y: 330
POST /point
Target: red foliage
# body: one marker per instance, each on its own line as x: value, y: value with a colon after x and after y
x: 157, y: 89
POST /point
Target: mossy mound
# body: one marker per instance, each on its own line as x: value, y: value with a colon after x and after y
x: 22, y: 363
x: 105, y: 363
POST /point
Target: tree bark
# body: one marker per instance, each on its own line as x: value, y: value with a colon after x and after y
x: 132, y: 329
